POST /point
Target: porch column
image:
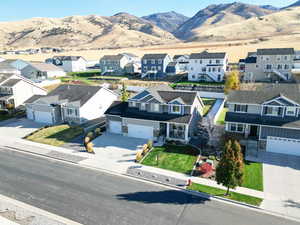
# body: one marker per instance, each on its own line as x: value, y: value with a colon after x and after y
x: 247, y: 128
x: 168, y: 130
x: 186, y: 133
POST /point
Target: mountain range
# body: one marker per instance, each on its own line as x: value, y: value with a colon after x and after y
x: 214, y: 23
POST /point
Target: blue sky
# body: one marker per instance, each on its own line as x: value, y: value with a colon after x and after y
x: 22, y: 9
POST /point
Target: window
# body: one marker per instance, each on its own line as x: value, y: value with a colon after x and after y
x: 152, y: 61
x: 143, y: 106
x: 209, y: 69
x: 69, y: 111
x: 193, y: 76
x: 133, y: 104
x: 155, y: 107
x: 145, y: 61
x: 159, y: 68
x: 213, y: 69
x: 218, y: 61
x: 286, y: 67
x: 279, y: 66
x: 176, y: 109
x: 285, y: 57
x: 219, y: 69
x: 241, y: 108
x: 291, y: 111
x: 76, y: 112
x: 204, y: 69
x: 160, y: 61
x: 236, y: 127
x: 273, y: 111
x: 200, y: 61
x: 268, y: 67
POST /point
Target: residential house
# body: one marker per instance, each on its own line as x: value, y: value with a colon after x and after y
x: 15, y: 90
x: 269, y: 115
x: 74, y: 104
x: 157, y: 113
x: 132, y: 68
x: 183, y: 61
x: 207, y: 67
x: 12, y: 65
x: 154, y: 65
x: 42, y: 71
x: 270, y: 64
x: 173, y: 68
x: 296, y: 67
x: 113, y: 64
x: 69, y: 63
x: 132, y: 58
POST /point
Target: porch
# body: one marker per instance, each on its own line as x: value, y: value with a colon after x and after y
x: 6, y: 102
x: 174, y: 131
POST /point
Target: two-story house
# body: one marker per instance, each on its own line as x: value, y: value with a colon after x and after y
x: 74, y: 104
x: 157, y: 113
x: 42, y: 71
x: 114, y: 64
x: 270, y: 64
x: 269, y: 115
x: 15, y: 90
x: 154, y: 65
x: 207, y: 67
x: 69, y: 63
x: 183, y: 61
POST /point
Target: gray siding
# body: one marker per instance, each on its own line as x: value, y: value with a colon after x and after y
x: 279, y: 132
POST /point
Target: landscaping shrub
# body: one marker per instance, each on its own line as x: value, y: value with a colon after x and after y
x: 97, y: 131
x: 145, y: 149
x: 90, y: 147
x: 90, y: 135
x: 138, y: 156
x: 86, y: 140
x: 150, y: 144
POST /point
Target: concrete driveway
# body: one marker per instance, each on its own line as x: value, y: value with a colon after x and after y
x: 282, y: 184
x: 115, y: 152
x: 18, y: 128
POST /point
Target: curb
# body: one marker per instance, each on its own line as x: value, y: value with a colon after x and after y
x: 141, y: 179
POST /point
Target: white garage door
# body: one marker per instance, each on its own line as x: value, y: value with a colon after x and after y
x: 115, y: 127
x: 283, y: 145
x: 29, y: 114
x: 43, y: 117
x: 138, y: 131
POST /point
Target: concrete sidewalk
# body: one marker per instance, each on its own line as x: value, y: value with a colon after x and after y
x: 4, y: 221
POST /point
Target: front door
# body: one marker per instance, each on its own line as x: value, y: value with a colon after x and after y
x: 163, y: 129
x: 253, y: 131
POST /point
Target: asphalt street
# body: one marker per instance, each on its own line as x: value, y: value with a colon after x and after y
x: 95, y: 198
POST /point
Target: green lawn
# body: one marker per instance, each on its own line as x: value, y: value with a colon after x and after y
x: 221, y: 118
x: 171, y: 157
x: 233, y: 195
x: 208, y: 103
x: 9, y: 116
x: 56, y: 135
x: 253, y: 176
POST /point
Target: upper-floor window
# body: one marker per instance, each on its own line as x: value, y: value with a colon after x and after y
x: 290, y: 111
x: 286, y: 57
x: 159, y: 68
x: 175, y: 108
x: 145, y: 61
x: 210, y: 61
x: 160, y: 61
x: 286, y: 67
x: 196, y: 61
x: 155, y: 107
x: 241, y: 108
x: 69, y: 111
x: 279, y: 66
x: 76, y: 112
x: 268, y: 67
x: 204, y: 69
x: 152, y: 61
x: 200, y: 61
x: 143, y: 106
x: 218, y: 61
x: 272, y: 111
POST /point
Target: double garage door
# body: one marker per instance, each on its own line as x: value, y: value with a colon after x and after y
x: 136, y: 131
x: 40, y: 117
x: 283, y: 146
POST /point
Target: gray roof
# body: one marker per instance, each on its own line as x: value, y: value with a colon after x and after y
x: 266, y: 93
x: 129, y: 54
x: 11, y: 82
x: 5, y: 76
x: 155, y: 56
x: 78, y: 94
x: 208, y: 55
x: 276, y: 51
x: 165, y: 94
x: 112, y: 57
x: 178, y: 56
x: 68, y: 58
x: 286, y: 122
x: 121, y: 109
x: 45, y: 67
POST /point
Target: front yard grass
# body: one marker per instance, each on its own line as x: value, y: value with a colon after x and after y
x: 253, y: 176
x: 172, y: 157
x: 208, y: 104
x: 56, y: 135
x: 221, y: 118
x: 220, y: 192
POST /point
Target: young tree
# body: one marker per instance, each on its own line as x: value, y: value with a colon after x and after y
x: 124, y: 93
x: 230, y: 170
x: 232, y: 81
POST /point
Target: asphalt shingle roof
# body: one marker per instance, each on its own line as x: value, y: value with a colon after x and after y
x: 5, y: 76
x: 155, y: 56
x: 45, y: 67
x: 208, y: 55
x: 265, y: 93
x: 68, y: 58
x: 112, y: 57
x: 69, y: 94
x: 121, y: 109
x: 11, y: 82
x: 276, y: 51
